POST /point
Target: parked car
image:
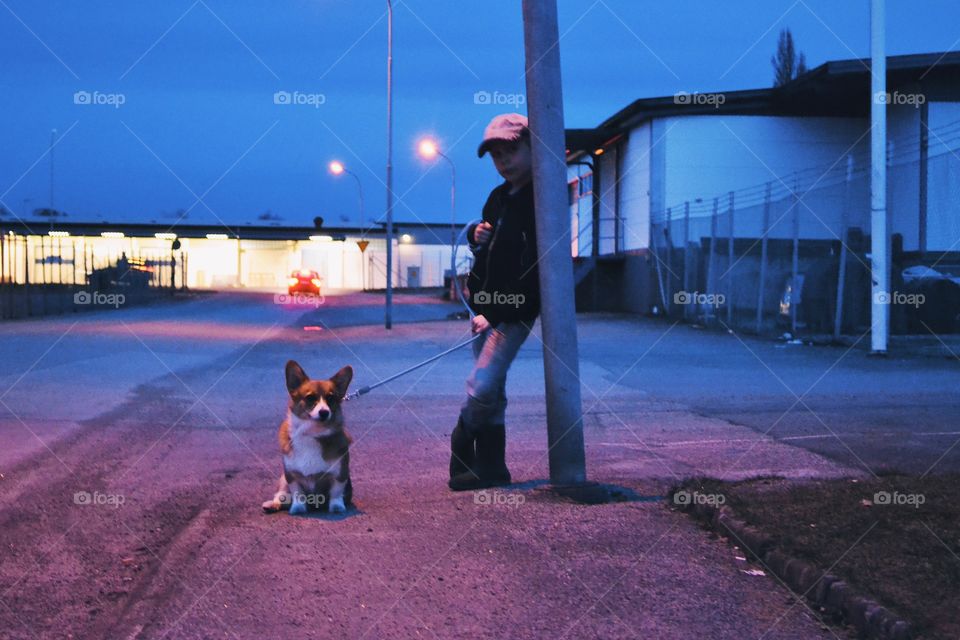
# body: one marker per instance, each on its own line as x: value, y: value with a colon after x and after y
x: 304, y: 281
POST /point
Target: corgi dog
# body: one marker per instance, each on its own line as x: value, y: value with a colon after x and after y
x: 315, y: 445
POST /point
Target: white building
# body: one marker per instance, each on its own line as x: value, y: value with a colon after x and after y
x: 648, y: 177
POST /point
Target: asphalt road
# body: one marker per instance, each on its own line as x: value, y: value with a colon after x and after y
x: 137, y: 445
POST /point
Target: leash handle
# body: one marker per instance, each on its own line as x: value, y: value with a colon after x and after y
x: 367, y: 389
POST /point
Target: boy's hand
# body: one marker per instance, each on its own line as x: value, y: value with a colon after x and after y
x: 479, y: 324
x: 482, y: 233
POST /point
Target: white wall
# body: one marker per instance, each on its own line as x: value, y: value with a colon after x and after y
x: 707, y: 156
x: 943, y: 196
x: 605, y: 191
x: 634, y: 205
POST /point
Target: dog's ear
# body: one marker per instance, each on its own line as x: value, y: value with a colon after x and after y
x: 296, y: 376
x: 341, y: 380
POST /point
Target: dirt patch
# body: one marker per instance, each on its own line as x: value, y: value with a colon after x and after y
x: 894, y: 538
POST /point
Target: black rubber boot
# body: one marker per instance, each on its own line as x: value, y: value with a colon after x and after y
x: 462, y: 452
x: 491, y: 467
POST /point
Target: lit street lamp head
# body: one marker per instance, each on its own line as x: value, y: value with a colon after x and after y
x: 428, y: 149
x: 336, y: 167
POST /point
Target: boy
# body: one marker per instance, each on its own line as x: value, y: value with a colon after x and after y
x: 505, y: 294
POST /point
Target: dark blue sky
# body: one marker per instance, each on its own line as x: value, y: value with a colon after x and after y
x: 198, y: 79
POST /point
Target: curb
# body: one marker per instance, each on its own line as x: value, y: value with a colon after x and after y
x: 834, y: 596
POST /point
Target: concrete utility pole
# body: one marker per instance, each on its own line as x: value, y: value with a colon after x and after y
x: 880, y: 239
x: 560, y: 358
x: 388, y: 313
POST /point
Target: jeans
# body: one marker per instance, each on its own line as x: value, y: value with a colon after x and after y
x: 486, y: 402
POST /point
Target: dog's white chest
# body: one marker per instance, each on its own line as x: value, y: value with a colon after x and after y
x: 306, y: 458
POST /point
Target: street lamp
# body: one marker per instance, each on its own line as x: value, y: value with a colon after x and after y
x: 388, y: 312
x: 336, y: 168
x: 53, y: 143
x: 429, y: 150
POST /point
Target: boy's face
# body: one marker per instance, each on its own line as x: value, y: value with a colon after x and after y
x: 513, y: 160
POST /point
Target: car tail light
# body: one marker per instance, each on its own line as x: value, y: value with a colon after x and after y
x: 292, y: 281
x: 316, y: 282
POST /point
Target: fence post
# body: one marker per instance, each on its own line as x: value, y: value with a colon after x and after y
x: 794, y: 289
x: 26, y: 273
x: 686, y: 256
x: 668, y: 277
x: 711, y: 269
x: 763, y: 257
x: 3, y: 272
x: 842, y: 267
x: 729, y: 276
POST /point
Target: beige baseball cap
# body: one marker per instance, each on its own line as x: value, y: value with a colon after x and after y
x: 506, y: 126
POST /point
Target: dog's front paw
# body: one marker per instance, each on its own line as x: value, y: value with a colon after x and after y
x: 337, y: 506
x: 298, y: 507
x: 271, y: 506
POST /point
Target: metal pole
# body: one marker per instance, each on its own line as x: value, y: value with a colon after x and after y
x: 763, y: 257
x: 924, y: 172
x: 795, y: 268
x: 842, y: 267
x: 711, y: 270
x: 668, y: 281
x: 359, y: 195
x: 879, y: 240
x: 686, y: 255
x: 558, y: 319
x: 729, y: 276
x: 388, y: 312
x: 53, y: 141
x: 453, y: 213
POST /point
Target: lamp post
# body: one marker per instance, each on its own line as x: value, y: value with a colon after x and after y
x: 53, y: 142
x: 388, y: 312
x: 336, y: 168
x: 429, y: 150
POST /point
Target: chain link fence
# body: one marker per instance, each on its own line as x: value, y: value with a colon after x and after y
x: 793, y: 254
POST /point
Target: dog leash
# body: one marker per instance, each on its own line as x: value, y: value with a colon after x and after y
x: 365, y: 390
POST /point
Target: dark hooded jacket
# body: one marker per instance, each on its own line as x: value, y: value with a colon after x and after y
x: 504, y: 282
